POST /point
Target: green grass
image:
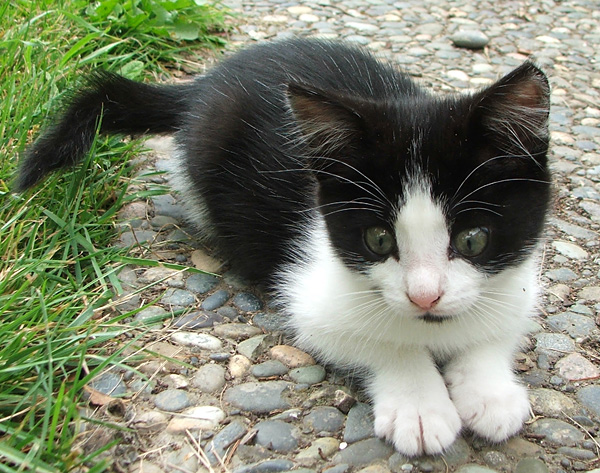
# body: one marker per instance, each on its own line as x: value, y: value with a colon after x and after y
x: 57, y: 270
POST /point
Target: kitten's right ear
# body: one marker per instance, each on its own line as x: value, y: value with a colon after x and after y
x: 328, y: 123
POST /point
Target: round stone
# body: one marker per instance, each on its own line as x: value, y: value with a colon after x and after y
x: 110, y: 384
x: 200, y: 341
x: 260, y: 398
x: 209, y: 378
x: 359, y: 424
x: 172, y: 400
x: 151, y: 315
x: 575, y: 325
x: 269, y: 368
x: 270, y: 321
x: 553, y: 345
x: 472, y: 468
x: 196, y: 418
x: 178, y: 297
x: 589, y: 396
x: 197, y: 320
x: 217, y: 447
x: 324, y: 419
x: 319, y: 449
x: 200, y: 283
x: 216, y: 300
x: 276, y: 435
x: 531, y: 465
x: 239, y: 366
x: 247, y: 302
x: 236, y: 331
x: 364, y: 452
x: 551, y: 403
x: 291, y: 357
x: 557, y: 432
x: 470, y: 39
x: 576, y: 367
x: 570, y: 250
x: 308, y: 374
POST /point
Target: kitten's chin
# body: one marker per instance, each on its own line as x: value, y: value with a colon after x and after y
x: 434, y: 319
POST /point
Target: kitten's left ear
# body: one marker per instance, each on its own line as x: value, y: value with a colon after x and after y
x: 329, y: 123
x: 514, y: 111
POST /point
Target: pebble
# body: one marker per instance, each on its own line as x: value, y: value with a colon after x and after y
x: 247, y: 302
x: 325, y: 419
x: 259, y: 398
x: 270, y: 321
x: 238, y: 366
x: 217, y: 447
x: 590, y: 293
x: 570, y: 250
x: 172, y: 400
x: 266, y: 466
x: 364, y: 452
x: 551, y: 403
x: 110, y: 384
x: 176, y: 381
x: 236, y: 331
x: 269, y: 369
x: 201, y: 341
x: 151, y: 421
x: 561, y: 275
x: 557, y: 432
x: 209, y: 378
x: 136, y: 237
x: 577, y: 453
x: 201, y: 283
x: 216, y: 300
x: 178, y: 297
x: 197, y: 320
x: 204, y: 262
x: 196, y: 418
x: 553, y: 345
x: 276, y: 435
x: 575, y: 367
x: 471, y: 39
x: 319, y: 449
x: 574, y: 324
x: 308, y: 374
x: 251, y: 348
x: 589, y: 396
x: 291, y: 357
x: 359, y: 424
x: 151, y: 315
x: 531, y: 465
x: 473, y: 468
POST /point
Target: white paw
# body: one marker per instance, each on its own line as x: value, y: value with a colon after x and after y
x: 415, y: 426
x: 493, y: 411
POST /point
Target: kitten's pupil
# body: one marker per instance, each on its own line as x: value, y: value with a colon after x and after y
x: 379, y: 240
x: 472, y: 241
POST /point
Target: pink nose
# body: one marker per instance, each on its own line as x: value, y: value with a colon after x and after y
x: 425, y: 300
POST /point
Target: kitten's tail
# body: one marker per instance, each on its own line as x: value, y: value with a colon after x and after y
x: 116, y: 105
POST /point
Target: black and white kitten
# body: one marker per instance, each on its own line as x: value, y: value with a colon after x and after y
x: 398, y: 228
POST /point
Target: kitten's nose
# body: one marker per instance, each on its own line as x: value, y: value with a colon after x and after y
x: 425, y: 300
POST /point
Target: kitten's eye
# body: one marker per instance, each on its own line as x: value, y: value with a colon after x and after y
x: 379, y: 240
x: 471, y: 242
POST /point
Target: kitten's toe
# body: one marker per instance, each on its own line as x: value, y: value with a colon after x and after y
x: 417, y: 430
x: 493, y: 412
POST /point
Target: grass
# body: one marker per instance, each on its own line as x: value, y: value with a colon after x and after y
x: 58, y: 272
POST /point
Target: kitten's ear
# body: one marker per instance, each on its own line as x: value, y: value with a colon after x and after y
x: 514, y: 111
x: 328, y: 123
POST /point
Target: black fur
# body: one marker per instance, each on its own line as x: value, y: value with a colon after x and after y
x: 282, y: 129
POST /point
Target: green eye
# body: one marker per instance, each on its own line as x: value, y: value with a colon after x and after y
x: 379, y: 240
x: 471, y: 242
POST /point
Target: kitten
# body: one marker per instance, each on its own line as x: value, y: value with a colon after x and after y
x: 397, y: 228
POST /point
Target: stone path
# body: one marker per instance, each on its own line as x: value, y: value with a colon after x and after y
x: 214, y: 385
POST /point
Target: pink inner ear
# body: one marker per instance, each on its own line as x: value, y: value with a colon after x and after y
x: 529, y: 94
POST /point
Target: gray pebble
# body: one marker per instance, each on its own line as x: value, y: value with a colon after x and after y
x: 178, y: 297
x: 216, y: 300
x: 577, y: 453
x: 359, y: 424
x: 308, y: 374
x: 201, y: 283
x: 172, y: 400
x: 472, y: 468
x: 324, y: 419
x: 236, y: 331
x: 151, y: 315
x: 167, y: 205
x: 260, y: 398
x: 228, y: 312
x: 247, y: 302
x: 557, y: 432
x: 209, y: 378
x: 217, y: 447
x: 269, y: 368
x: 267, y: 466
x: 589, y: 396
x: 471, y: 39
x: 136, y: 237
x: 250, y: 348
x: 531, y: 465
x: 554, y: 345
x: 561, y: 275
x: 197, y: 320
x: 341, y: 468
x: 270, y: 321
x: 109, y: 383
x: 276, y: 435
x: 364, y: 452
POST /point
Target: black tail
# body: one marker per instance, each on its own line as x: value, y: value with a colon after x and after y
x: 125, y: 107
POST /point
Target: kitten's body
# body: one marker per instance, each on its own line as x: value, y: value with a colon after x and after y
x: 397, y: 229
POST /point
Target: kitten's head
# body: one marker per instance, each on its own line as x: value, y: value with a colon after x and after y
x: 430, y: 196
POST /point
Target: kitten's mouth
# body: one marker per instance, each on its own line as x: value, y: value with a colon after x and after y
x: 433, y: 319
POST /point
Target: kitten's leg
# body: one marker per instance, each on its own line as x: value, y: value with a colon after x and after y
x: 411, y: 405
x: 486, y: 392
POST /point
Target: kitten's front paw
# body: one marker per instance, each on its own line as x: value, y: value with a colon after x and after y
x: 493, y: 411
x: 417, y: 427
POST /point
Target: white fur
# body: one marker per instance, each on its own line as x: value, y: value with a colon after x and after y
x: 368, y: 321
